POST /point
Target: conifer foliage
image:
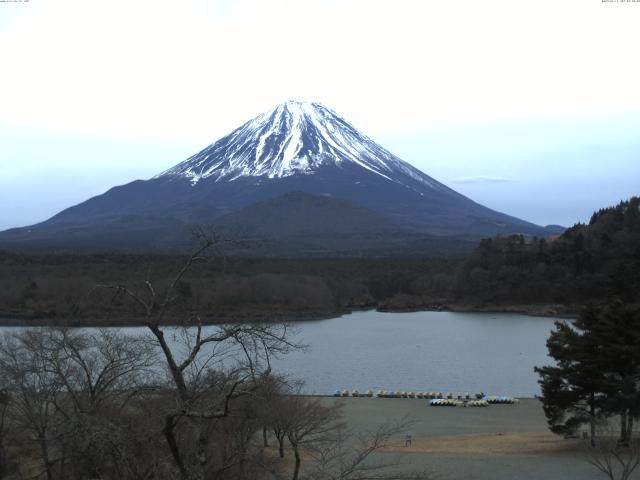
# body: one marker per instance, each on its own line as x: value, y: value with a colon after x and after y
x: 597, y: 371
x: 587, y: 263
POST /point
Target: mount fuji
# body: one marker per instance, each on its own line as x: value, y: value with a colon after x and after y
x: 299, y: 177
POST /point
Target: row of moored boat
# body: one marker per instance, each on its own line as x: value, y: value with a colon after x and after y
x: 437, y: 398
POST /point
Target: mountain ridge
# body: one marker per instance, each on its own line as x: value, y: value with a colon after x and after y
x: 295, y: 147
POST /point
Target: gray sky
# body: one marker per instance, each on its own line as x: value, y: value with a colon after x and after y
x: 531, y: 108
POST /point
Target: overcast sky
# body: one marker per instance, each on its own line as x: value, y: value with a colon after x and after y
x: 529, y: 107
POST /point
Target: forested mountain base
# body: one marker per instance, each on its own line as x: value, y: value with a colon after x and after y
x: 587, y: 264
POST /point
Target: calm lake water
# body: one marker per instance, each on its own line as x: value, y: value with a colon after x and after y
x: 418, y: 351
x: 422, y: 351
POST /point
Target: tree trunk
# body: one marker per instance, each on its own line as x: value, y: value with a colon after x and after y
x: 265, y: 442
x: 281, y: 447
x: 176, y: 373
x: 44, y: 451
x: 623, y: 428
x: 592, y: 420
x: 169, y: 425
x: 296, y: 467
x: 3, y: 458
x: 63, y: 463
x: 202, y: 451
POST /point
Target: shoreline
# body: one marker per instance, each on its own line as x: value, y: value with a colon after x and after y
x: 501, y: 441
x: 374, y: 397
x: 557, y: 311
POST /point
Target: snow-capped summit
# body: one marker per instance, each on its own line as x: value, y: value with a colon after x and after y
x: 293, y: 138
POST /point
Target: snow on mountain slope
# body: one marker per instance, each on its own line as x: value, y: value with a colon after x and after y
x: 295, y: 138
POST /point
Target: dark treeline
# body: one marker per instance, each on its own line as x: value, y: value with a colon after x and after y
x: 62, y: 287
x: 588, y: 263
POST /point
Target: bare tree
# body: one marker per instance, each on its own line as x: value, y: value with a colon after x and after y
x: 208, y: 367
x: 71, y: 392
x: 613, y: 457
x: 308, y: 423
x: 354, y: 455
x: 33, y: 390
x: 101, y: 367
x: 4, y: 461
x: 268, y: 396
x: 279, y: 420
x: 101, y: 372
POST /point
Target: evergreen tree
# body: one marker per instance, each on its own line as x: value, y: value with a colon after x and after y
x: 618, y: 329
x: 597, y: 372
x: 572, y: 391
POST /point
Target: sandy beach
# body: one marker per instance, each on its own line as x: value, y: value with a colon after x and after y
x: 499, y: 441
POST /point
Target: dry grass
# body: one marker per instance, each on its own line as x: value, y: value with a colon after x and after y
x: 491, y: 444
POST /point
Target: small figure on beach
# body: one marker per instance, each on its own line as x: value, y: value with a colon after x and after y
x: 407, y: 440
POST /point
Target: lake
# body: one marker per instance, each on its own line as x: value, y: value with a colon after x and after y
x: 422, y: 351
x: 419, y: 351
